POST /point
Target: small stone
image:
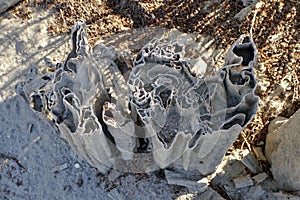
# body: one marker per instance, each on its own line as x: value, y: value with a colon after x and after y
x: 77, y: 166
x: 229, y: 188
x: 60, y: 167
x: 260, y: 177
x: 186, y: 196
x: 234, y: 168
x: 251, y: 162
x: 254, y: 192
x: 192, y: 183
x: 209, y: 193
x: 242, y: 182
x: 276, y: 37
x: 259, y: 153
x: 113, y: 175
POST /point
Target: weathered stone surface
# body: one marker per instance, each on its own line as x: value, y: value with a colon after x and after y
x: 5, y: 4
x: 209, y: 194
x: 192, y: 180
x: 260, y: 177
x: 258, y: 151
x: 241, y: 182
x: 251, y: 162
x: 162, y: 110
x: 273, y: 139
x: 283, y: 150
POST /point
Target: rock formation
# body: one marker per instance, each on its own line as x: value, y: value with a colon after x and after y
x: 162, y: 110
x: 282, y: 151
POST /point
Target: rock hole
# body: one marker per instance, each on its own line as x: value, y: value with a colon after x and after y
x: 246, y: 51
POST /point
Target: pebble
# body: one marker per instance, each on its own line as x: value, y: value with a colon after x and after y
x: 259, y: 153
x: 113, y: 175
x: 276, y: 37
x: 260, y: 177
x: 251, y: 162
x: 242, y: 182
x: 77, y: 165
x: 60, y: 167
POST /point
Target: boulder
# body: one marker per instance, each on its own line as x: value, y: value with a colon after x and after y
x: 282, y: 151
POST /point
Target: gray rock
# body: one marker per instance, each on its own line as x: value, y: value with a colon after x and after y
x: 209, y: 194
x: 241, y: 182
x: 282, y: 151
x: 260, y: 177
x: 5, y: 4
x: 162, y: 110
x: 258, y: 151
x: 192, y: 180
x: 251, y: 162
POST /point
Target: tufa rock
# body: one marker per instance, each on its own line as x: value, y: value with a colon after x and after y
x: 162, y: 110
x: 282, y: 151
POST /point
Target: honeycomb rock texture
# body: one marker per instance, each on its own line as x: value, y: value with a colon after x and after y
x: 161, y: 110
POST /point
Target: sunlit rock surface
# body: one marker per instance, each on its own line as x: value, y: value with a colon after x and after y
x: 165, y: 108
x: 282, y: 151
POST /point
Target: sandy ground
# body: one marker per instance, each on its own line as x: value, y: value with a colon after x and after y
x: 37, y: 164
